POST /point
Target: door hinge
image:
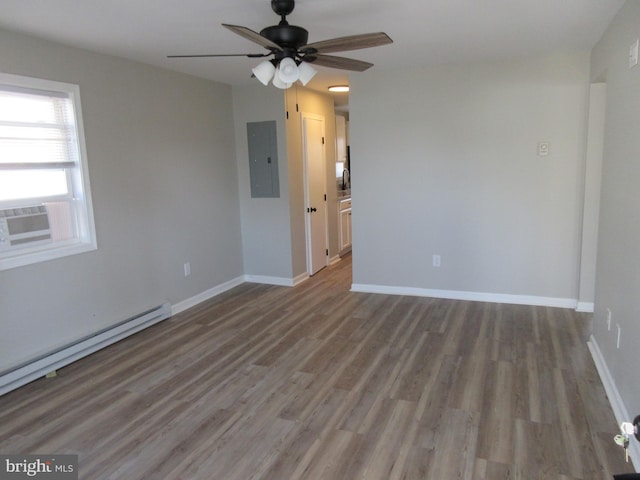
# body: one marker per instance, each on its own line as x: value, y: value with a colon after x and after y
x: 323, y: 140
x: 297, y: 110
x: 325, y: 197
x: 287, y: 115
x: 327, y: 251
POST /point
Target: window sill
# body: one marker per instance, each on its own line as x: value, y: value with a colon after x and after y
x: 23, y: 258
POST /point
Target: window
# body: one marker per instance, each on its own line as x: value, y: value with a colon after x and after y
x: 45, y: 202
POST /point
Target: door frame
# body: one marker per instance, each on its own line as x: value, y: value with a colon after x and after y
x: 305, y: 169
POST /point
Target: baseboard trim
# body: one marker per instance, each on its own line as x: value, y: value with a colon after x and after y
x: 615, y: 399
x: 217, y: 290
x: 471, y: 296
x: 206, y: 295
x: 300, y: 278
x: 279, y: 281
x: 585, y: 307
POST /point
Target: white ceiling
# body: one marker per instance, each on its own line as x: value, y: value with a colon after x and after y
x: 425, y: 32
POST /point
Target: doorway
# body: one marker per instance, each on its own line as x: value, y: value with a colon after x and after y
x: 314, y: 160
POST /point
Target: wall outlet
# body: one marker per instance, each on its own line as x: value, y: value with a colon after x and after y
x: 187, y: 269
x: 543, y: 149
x: 436, y: 260
x: 608, y: 319
x: 619, y: 335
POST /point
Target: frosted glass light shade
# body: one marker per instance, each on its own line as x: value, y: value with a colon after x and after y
x: 277, y: 82
x: 307, y: 72
x: 288, y: 70
x: 264, y: 72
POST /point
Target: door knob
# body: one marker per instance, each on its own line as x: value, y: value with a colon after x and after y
x: 311, y: 210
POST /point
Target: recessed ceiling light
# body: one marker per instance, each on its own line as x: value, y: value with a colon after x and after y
x: 339, y: 88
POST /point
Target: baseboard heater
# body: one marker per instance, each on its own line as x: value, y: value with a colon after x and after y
x: 39, y: 367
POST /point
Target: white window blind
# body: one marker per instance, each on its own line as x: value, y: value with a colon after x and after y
x: 37, y: 129
x: 42, y: 168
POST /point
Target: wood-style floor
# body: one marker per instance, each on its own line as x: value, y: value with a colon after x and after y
x: 316, y: 382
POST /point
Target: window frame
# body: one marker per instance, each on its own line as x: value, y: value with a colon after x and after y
x: 78, y: 183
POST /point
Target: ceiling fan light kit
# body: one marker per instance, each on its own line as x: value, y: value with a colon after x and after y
x: 264, y: 71
x: 283, y: 75
x: 307, y: 72
x: 288, y: 70
x: 291, y: 52
x: 277, y: 81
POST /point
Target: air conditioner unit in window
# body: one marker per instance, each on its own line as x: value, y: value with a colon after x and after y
x: 24, y: 227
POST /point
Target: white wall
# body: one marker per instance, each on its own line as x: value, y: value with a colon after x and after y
x: 164, y: 183
x: 618, y: 266
x: 446, y: 163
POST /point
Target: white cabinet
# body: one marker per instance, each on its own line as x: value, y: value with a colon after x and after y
x: 344, y: 213
x: 345, y: 230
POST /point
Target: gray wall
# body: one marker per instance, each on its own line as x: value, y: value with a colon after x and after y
x: 618, y: 267
x: 164, y: 183
x: 446, y: 163
x: 266, y: 230
x: 273, y: 229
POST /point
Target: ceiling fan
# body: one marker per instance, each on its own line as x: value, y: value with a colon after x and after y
x: 291, y: 52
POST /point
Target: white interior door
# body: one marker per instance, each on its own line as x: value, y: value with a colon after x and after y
x: 315, y: 190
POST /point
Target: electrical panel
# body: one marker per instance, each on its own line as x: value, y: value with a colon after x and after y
x: 263, y: 159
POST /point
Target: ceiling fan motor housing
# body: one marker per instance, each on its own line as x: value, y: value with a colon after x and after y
x: 287, y: 36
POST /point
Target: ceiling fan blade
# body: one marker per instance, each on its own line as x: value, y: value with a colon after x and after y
x: 249, y: 55
x: 351, y: 42
x: 255, y: 37
x: 337, y: 62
